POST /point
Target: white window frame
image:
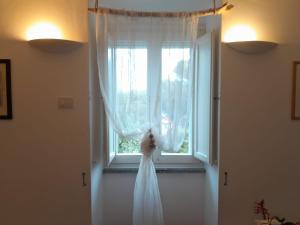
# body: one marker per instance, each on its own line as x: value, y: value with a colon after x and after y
x: 206, y: 45
x: 187, y: 160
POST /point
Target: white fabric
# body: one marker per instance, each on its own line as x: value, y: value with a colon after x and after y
x: 145, y: 72
x: 147, y: 207
x: 146, y: 67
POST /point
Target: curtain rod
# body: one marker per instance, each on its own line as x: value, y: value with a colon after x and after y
x: 122, y: 12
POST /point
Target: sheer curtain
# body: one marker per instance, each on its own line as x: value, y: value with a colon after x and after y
x: 146, y: 72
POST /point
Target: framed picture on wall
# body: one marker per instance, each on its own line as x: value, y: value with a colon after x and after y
x: 5, y: 90
x: 296, y: 91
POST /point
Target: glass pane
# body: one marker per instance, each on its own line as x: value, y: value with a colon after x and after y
x: 131, y: 93
x: 204, y: 100
x: 131, y: 70
x: 175, y: 77
x: 128, y: 145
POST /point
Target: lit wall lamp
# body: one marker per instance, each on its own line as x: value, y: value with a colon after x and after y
x: 243, y: 38
x: 49, y: 37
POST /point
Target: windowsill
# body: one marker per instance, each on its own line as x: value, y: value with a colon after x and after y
x: 133, y: 168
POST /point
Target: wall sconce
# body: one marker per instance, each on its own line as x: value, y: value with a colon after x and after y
x: 49, y: 37
x: 243, y: 38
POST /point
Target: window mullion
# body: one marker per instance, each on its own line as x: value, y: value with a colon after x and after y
x: 154, y: 87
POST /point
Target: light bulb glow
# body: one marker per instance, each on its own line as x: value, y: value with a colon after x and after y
x: 240, y: 33
x: 43, y: 31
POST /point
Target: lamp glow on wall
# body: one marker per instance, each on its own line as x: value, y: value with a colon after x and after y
x: 243, y: 38
x: 240, y: 33
x: 49, y: 37
x: 43, y: 31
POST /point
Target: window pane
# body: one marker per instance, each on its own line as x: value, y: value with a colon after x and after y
x: 204, y: 99
x: 175, y: 82
x: 131, y: 93
x: 128, y: 145
x: 131, y: 70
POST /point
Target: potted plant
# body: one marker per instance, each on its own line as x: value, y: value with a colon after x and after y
x: 267, y: 219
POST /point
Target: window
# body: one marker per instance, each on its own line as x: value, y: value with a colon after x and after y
x: 141, y: 62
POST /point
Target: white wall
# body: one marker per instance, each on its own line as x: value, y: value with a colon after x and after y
x: 97, y: 116
x: 211, y: 194
x: 182, y: 198
x: 44, y: 149
x: 259, y: 142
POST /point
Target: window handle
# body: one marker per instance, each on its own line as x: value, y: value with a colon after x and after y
x: 83, y: 180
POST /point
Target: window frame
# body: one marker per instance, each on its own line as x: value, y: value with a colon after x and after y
x: 186, y: 160
x: 208, y: 156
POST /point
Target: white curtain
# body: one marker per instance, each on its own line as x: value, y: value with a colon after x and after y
x: 147, y: 207
x: 146, y: 73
